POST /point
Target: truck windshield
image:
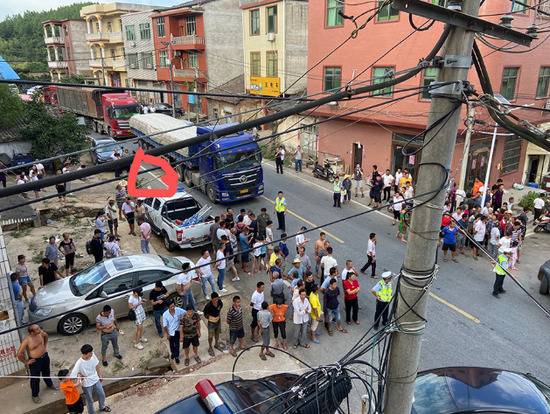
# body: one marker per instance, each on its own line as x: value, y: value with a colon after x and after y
x: 233, y: 160
x: 125, y: 112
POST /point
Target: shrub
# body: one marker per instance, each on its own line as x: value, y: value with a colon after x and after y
x: 527, y: 200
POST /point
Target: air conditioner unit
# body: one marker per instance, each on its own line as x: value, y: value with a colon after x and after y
x: 271, y: 37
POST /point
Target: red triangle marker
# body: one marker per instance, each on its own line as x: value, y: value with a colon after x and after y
x: 169, y: 179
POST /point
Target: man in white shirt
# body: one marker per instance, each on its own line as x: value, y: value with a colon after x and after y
x: 301, y: 239
x: 87, y: 368
x: 205, y: 273
x: 479, y: 234
x: 538, y: 206
x: 221, y: 231
x: 221, y: 263
x: 171, y: 325
x: 328, y: 262
x: 349, y: 268
x: 256, y: 303
x: 145, y: 234
x: 302, y: 309
x: 183, y: 285
x: 371, y: 255
x: 388, y: 180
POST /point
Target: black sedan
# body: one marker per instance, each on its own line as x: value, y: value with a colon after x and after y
x: 164, y: 108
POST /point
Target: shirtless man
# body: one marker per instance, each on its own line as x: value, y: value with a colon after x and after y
x: 35, y: 344
x: 319, y: 245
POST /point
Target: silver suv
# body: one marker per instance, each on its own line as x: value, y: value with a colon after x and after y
x: 78, y: 299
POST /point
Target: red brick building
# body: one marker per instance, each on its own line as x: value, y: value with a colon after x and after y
x: 377, y: 136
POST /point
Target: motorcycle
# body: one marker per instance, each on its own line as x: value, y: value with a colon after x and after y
x: 324, y: 171
x: 542, y: 225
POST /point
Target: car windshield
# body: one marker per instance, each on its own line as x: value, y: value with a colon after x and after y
x: 88, y: 279
x: 251, y: 393
x: 543, y: 388
x: 125, y: 112
x: 105, y: 148
x: 234, y: 160
x: 171, y: 262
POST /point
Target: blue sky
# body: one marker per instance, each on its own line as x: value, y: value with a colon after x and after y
x: 9, y: 7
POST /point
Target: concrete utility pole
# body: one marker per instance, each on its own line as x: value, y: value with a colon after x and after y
x: 171, y: 57
x: 419, y: 262
x: 470, y: 122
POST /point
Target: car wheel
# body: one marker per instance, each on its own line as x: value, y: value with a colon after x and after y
x: 331, y: 178
x: 177, y: 300
x: 544, y: 285
x: 167, y: 243
x: 211, y: 193
x: 72, y: 324
x: 187, y: 177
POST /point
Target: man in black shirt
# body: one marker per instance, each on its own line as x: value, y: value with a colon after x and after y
x: 332, y: 306
x: 158, y: 297
x: 48, y: 272
x: 96, y: 246
x: 212, y: 314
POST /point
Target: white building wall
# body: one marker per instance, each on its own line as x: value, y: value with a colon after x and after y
x: 139, y: 46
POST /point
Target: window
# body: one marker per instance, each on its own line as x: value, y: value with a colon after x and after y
x: 442, y: 3
x: 379, y: 75
x: 160, y: 27
x: 386, y: 13
x: 272, y: 63
x: 519, y: 6
x: 109, y: 27
x: 190, y: 26
x: 272, y: 19
x: 156, y: 204
x: 149, y: 277
x: 429, y: 76
x: 509, y: 81
x: 543, y: 82
x: 193, y: 59
x: 112, y: 53
x: 333, y: 17
x: 130, y: 32
x: 511, y: 154
x: 332, y: 78
x: 119, y: 284
x: 147, y: 60
x: 133, y: 61
x: 255, y: 64
x: 163, y: 59
x: 254, y: 22
x: 144, y: 31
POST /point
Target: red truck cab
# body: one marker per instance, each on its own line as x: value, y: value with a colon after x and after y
x: 50, y: 95
x: 117, y: 110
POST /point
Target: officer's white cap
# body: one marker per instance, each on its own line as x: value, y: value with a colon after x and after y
x: 387, y: 275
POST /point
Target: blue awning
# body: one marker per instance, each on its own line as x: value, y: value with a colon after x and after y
x: 6, y: 71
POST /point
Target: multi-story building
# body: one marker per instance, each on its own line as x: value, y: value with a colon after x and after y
x: 386, y: 46
x: 106, y: 42
x: 140, y: 54
x: 275, y: 46
x: 67, y: 49
x: 196, y: 46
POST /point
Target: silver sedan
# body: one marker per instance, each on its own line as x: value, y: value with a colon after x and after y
x: 74, y: 302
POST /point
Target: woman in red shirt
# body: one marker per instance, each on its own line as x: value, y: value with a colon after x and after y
x: 351, y: 289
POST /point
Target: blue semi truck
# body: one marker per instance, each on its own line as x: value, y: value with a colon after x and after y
x: 228, y: 169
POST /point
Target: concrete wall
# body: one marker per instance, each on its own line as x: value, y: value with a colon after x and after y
x: 80, y: 52
x: 223, y: 40
x: 139, y: 46
x: 295, y: 53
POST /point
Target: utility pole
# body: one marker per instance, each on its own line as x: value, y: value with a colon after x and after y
x: 419, y: 265
x: 470, y: 122
x: 171, y: 57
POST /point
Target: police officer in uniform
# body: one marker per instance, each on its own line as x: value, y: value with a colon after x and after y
x: 501, y: 266
x: 383, y: 292
x: 280, y: 208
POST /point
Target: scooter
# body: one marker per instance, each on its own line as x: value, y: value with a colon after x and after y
x: 324, y: 171
x: 542, y: 225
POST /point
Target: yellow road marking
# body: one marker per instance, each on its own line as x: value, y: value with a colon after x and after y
x: 339, y: 240
x: 455, y: 308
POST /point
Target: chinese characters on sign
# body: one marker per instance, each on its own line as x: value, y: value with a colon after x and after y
x: 266, y: 86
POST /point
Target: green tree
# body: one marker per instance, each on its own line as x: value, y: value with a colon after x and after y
x: 11, y: 108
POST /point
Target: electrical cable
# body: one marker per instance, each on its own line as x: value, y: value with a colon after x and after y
x: 420, y: 29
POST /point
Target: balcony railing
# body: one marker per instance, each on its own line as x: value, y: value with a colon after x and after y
x: 54, y: 39
x: 185, y: 73
x: 117, y: 63
x: 115, y: 37
x: 188, y: 40
x: 96, y: 36
x: 58, y: 64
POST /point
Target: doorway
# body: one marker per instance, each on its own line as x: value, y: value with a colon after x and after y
x: 477, y: 167
x: 533, y: 168
x: 357, y: 155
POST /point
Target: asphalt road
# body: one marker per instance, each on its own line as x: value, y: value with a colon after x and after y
x: 466, y: 325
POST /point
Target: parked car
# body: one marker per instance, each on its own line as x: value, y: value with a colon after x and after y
x: 479, y: 390
x: 21, y: 159
x: 104, y: 153
x: 166, y: 216
x: 164, y: 108
x: 78, y: 299
x: 449, y: 390
x: 544, y: 277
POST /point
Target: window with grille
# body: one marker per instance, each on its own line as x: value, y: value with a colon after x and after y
x: 543, y: 82
x: 333, y: 10
x: 255, y: 64
x: 509, y: 82
x: 130, y: 32
x: 191, y: 25
x: 332, y: 78
x: 193, y: 59
x: 144, y: 31
x: 147, y: 60
x: 163, y: 58
x: 272, y: 19
x: 386, y: 13
x: 519, y: 6
x: 511, y: 154
x: 160, y: 27
x: 271, y: 63
x: 254, y: 22
x: 429, y: 76
x: 379, y: 75
x: 133, y: 61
